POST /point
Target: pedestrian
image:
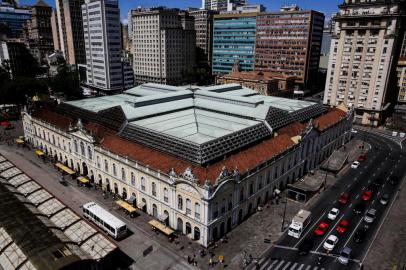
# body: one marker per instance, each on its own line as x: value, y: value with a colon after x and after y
x: 188, y: 259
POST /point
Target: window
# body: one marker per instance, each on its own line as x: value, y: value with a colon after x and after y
x: 153, y: 188
x: 132, y: 179
x: 197, y: 211
x: 90, y: 152
x: 143, y: 183
x: 260, y: 183
x: 188, y: 207
x: 166, y: 195
x: 98, y: 161
x: 114, y: 169
x: 215, y: 210
x: 230, y: 202
x: 75, y: 145
x: 223, y: 206
x: 251, y: 188
x: 106, y: 165
x: 241, y: 194
x: 122, y: 174
x: 82, y: 149
x: 180, y: 202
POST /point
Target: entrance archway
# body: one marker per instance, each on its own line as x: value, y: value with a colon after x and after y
x: 166, y: 221
x: 222, y: 229
x: 249, y: 209
x: 229, y: 224
x: 180, y: 225
x: 144, y: 207
x: 85, y: 171
x: 154, y: 210
x: 215, y: 234
x: 115, y: 188
x: 124, y: 194
x: 188, y: 228
x: 196, y: 235
x: 240, y: 216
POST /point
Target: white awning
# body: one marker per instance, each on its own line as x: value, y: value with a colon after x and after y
x: 131, y: 199
x: 163, y: 217
x: 141, y: 205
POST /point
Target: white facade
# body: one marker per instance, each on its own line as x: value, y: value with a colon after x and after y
x: 222, y: 5
x: 101, y: 25
x: 361, y: 58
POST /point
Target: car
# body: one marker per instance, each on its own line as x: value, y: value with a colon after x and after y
x: 393, y: 180
x: 371, y: 187
x: 402, y: 134
x: 366, y: 195
x: 345, y: 256
x: 378, y: 182
x: 330, y: 242
x: 321, y: 229
x: 370, y: 215
x: 360, y: 235
x: 359, y: 208
x: 333, y: 214
x: 362, y: 157
x: 394, y: 133
x: 306, y: 246
x: 343, y: 198
x: 384, y: 199
x: 355, y: 165
x: 342, y: 226
x: 354, y: 131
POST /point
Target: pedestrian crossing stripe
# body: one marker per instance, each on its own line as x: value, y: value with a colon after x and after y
x: 269, y: 264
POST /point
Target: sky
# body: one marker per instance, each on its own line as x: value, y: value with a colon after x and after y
x: 325, y: 6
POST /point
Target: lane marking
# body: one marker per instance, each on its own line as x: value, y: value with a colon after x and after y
x: 264, y: 266
x: 285, y: 247
x: 294, y: 266
x: 301, y: 266
x: 286, y: 266
x: 279, y: 265
x: 310, y: 229
x: 356, y: 227
x: 330, y: 232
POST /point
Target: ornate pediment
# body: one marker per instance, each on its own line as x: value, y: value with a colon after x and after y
x: 189, y: 176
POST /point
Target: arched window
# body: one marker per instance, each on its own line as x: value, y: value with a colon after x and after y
x: 98, y: 161
x: 197, y: 211
x: 230, y: 202
x: 53, y: 139
x: 188, y: 207
x: 180, y: 202
x: 251, y: 188
x: 106, y: 165
x: 143, y: 183
x: 82, y: 149
x: 153, y: 188
x: 241, y: 194
x: 166, y: 195
x: 223, y: 206
x: 132, y: 179
x: 75, y: 145
x: 90, y: 152
x: 114, y: 169
x: 122, y: 174
x: 215, y: 210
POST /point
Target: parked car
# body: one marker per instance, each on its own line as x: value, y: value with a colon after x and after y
x: 402, y: 134
x: 384, y: 199
x: 394, y: 133
x: 321, y: 229
x: 343, y: 198
x: 370, y: 215
x: 342, y: 226
x: 333, y: 214
x: 366, y: 195
x: 330, y: 242
x: 359, y: 208
x: 362, y: 158
x: 355, y: 165
x: 354, y: 131
x: 345, y: 255
x: 360, y: 235
x: 306, y: 246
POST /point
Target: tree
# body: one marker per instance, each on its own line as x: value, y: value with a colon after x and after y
x: 66, y: 81
x: 21, y: 89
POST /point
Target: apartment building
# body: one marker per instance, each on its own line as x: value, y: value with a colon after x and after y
x: 401, y: 71
x: 363, y: 57
x: 233, y: 39
x: 289, y: 42
x: 102, y: 33
x: 221, y: 5
x: 70, y: 30
x: 164, y: 45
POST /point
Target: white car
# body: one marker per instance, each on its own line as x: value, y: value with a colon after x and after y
x: 333, y: 214
x: 402, y: 134
x: 330, y: 242
x: 354, y: 130
x: 394, y: 133
x: 355, y: 164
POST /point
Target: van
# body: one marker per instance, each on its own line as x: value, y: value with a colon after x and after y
x: 370, y: 215
x: 345, y: 256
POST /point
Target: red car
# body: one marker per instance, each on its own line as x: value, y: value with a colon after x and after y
x: 342, y: 226
x: 361, y: 157
x: 321, y: 229
x: 343, y: 198
x: 366, y: 195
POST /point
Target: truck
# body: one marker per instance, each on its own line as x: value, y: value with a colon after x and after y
x: 299, y: 223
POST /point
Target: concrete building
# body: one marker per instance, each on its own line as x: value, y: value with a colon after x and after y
x: 14, y: 54
x: 128, y: 73
x: 399, y: 114
x: 199, y: 160
x: 55, y: 29
x: 234, y: 39
x: 164, y: 44
x: 70, y: 30
x: 363, y: 57
x: 40, y: 38
x: 204, y: 35
x: 15, y: 18
x: 102, y: 33
x: 289, y: 42
x: 221, y: 5
x: 125, y: 42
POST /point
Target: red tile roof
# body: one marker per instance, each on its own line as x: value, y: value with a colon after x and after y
x: 293, y: 129
x: 53, y: 118
x: 329, y: 119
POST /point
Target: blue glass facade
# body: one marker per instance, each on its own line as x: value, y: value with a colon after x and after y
x: 14, y: 19
x: 233, y: 39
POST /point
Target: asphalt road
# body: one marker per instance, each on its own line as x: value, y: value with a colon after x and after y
x: 384, y: 159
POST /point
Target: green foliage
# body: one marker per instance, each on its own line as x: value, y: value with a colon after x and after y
x: 200, y: 76
x: 66, y: 81
x: 21, y: 89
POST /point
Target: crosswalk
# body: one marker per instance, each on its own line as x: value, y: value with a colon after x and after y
x: 270, y: 264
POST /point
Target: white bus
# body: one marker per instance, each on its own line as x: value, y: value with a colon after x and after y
x: 104, y: 220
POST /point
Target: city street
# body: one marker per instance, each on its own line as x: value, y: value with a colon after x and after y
x: 382, y: 161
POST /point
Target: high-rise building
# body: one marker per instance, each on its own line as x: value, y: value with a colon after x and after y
x: 102, y: 32
x: 221, y: 5
x: 164, y: 45
x: 204, y: 35
x: 234, y: 39
x: 40, y: 40
x: 55, y: 29
x: 289, y: 42
x: 401, y: 71
x: 15, y: 19
x: 124, y: 37
x: 70, y: 32
x: 363, y: 57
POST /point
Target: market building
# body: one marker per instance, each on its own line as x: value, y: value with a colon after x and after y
x: 199, y: 160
